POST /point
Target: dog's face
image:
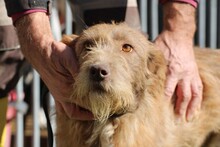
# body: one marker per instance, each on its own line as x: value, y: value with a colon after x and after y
x: 114, y: 69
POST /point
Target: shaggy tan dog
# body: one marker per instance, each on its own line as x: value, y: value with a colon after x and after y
x: 121, y: 86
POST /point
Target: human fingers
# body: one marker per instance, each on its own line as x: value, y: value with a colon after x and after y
x: 58, y: 73
x: 73, y: 111
x: 67, y: 57
x: 183, y: 97
x: 195, y: 103
x: 170, y: 86
x: 59, y: 107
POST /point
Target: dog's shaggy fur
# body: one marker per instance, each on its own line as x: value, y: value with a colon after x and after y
x: 121, y: 82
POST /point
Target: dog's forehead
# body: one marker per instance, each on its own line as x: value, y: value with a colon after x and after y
x: 117, y: 35
x: 109, y: 31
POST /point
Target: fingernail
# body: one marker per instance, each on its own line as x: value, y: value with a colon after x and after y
x: 178, y: 119
x: 191, y: 116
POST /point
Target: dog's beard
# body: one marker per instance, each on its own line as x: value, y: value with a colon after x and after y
x: 109, y: 98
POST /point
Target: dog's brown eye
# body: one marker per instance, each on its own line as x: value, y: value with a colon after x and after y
x: 87, y: 49
x: 88, y: 45
x: 127, y: 48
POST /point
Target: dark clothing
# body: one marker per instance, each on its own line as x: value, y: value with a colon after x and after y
x: 11, y: 58
x: 16, y: 6
x: 8, y: 38
x: 11, y: 63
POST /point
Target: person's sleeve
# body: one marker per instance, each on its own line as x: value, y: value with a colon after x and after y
x: 19, y: 8
x: 192, y: 2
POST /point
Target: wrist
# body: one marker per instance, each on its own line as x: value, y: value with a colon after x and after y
x: 179, y: 17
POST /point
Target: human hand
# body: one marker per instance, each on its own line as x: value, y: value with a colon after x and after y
x: 182, y: 73
x: 176, y: 42
x: 54, y: 61
x: 62, y: 68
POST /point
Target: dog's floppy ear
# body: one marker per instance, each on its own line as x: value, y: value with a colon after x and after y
x: 69, y: 40
x: 156, y: 63
x: 156, y: 70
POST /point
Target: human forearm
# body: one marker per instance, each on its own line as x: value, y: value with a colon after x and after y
x: 179, y: 18
x: 178, y: 30
x: 35, y: 37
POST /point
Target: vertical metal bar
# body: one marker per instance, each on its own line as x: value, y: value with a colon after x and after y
x: 202, y: 24
x: 52, y: 116
x: 154, y: 19
x: 218, y: 28
x: 19, y: 116
x: 36, y: 109
x: 56, y: 29
x: 55, y: 24
x: 213, y: 24
x: 143, y: 10
x: 68, y: 18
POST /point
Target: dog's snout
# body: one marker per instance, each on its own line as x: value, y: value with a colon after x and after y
x: 99, y: 72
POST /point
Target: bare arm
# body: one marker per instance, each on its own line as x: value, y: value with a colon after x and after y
x: 53, y: 60
x: 176, y: 42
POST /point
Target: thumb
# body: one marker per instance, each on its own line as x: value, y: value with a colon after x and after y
x: 68, y: 57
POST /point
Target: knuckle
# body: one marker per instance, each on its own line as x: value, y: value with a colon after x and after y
x: 200, y: 88
x: 168, y: 93
x: 197, y: 94
x: 186, y: 97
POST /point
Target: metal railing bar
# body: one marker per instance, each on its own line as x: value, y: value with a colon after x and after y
x: 36, y: 109
x: 20, y: 115
x: 213, y: 24
x: 143, y: 14
x: 154, y: 19
x: 202, y: 23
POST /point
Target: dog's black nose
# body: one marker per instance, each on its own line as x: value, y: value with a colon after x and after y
x: 99, y: 72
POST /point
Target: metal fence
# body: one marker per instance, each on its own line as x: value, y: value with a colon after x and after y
x: 207, y: 35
